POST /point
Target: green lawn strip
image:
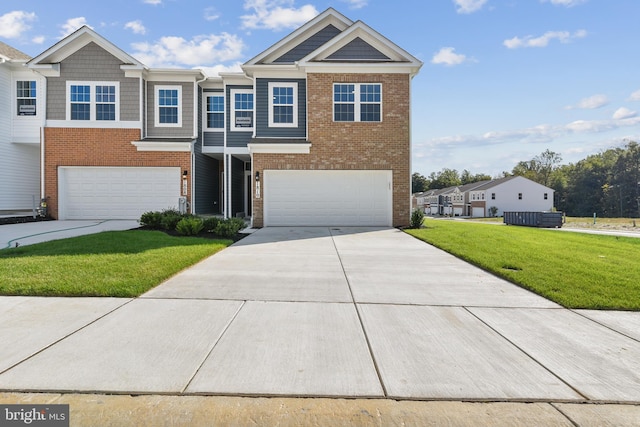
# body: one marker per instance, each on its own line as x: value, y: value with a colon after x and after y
x: 573, y: 269
x: 114, y: 263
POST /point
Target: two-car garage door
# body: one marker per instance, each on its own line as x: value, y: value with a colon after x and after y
x: 116, y: 192
x: 328, y: 197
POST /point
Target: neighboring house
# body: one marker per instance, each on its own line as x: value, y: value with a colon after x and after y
x: 21, y: 117
x: 511, y: 194
x: 514, y: 193
x: 314, y: 131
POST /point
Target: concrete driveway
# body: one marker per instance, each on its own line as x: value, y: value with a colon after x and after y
x: 324, y: 312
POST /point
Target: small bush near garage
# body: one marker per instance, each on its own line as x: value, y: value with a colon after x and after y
x: 417, y: 218
x: 173, y: 222
x: 189, y: 226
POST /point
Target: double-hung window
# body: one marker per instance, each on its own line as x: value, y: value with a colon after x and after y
x: 168, y: 106
x: 361, y: 102
x: 242, y: 110
x: 215, y: 112
x: 93, y: 101
x: 26, y: 97
x: 283, y: 101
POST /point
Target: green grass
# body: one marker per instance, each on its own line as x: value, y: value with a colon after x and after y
x: 573, y: 269
x: 115, y: 263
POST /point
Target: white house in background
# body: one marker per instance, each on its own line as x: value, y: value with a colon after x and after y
x: 511, y: 194
x: 21, y: 118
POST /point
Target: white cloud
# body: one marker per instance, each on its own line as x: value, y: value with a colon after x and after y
x: 211, y: 14
x: 590, y: 103
x: 153, y: 2
x: 447, y: 56
x: 544, y: 40
x: 38, y: 39
x: 72, y: 25
x: 276, y: 14
x: 566, y: 3
x: 356, y: 4
x: 468, y: 6
x: 624, y: 113
x: 136, y: 26
x: 13, y: 24
x: 202, y: 50
x: 635, y: 96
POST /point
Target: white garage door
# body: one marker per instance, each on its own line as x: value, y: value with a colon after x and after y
x: 116, y: 192
x: 327, y: 198
x: 477, y: 212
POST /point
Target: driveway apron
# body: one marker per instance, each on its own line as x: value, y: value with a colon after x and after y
x: 331, y: 312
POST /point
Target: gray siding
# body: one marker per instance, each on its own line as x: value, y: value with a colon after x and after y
x: 213, y: 139
x: 235, y: 139
x: 262, y: 111
x: 358, y: 49
x: 92, y: 63
x: 186, y: 130
x: 309, y: 45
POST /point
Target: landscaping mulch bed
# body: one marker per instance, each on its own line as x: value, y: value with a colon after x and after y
x: 202, y: 234
x: 22, y: 219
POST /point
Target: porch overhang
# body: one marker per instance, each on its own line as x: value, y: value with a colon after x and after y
x: 279, y: 146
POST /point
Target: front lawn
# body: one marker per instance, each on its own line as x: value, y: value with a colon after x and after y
x: 573, y: 269
x: 114, y: 263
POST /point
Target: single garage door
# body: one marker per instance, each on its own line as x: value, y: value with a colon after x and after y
x: 327, y: 198
x: 477, y: 212
x: 116, y: 192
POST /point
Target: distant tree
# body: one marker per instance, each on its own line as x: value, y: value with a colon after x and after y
x: 419, y: 183
x: 445, y: 178
x: 546, y: 162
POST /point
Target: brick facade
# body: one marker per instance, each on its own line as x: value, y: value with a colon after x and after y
x: 99, y: 147
x: 381, y: 145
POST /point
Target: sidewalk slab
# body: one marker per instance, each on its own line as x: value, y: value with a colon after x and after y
x: 295, y: 349
x: 601, y: 364
x: 145, y: 346
x: 446, y: 353
x: 30, y: 324
x: 625, y: 322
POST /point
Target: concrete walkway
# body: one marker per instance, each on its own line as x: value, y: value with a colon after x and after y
x: 330, y: 313
x: 37, y: 232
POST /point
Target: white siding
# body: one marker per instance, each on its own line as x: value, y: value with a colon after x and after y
x: 532, y: 196
x: 19, y: 163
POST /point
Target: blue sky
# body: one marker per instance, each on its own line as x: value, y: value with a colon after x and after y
x: 502, y: 81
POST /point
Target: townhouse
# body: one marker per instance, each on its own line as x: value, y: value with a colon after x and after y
x: 315, y: 130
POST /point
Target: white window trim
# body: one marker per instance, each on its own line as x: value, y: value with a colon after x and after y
x: 156, y: 91
x: 206, y: 127
x: 293, y: 86
x: 16, y: 97
x: 356, y: 102
x: 92, y: 101
x: 232, y: 104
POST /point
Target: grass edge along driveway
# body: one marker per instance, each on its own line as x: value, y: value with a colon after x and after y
x: 575, y: 270
x: 108, y: 264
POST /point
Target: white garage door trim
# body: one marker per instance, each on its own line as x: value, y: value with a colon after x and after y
x: 477, y: 212
x: 115, y: 192
x: 328, y: 198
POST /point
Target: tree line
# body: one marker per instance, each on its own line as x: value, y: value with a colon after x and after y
x: 607, y: 183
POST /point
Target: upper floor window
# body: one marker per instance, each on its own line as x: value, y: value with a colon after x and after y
x: 93, y: 101
x: 357, y: 102
x: 519, y: 196
x: 283, y: 110
x: 242, y: 110
x: 26, y: 97
x: 546, y: 196
x: 215, y: 112
x: 493, y: 196
x: 168, y: 106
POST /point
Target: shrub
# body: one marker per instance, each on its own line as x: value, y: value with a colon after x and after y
x: 417, y: 217
x: 170, y: 219
x: 151, y: 220
x: 229, y: 227
x: 210, y: 224
x: 493, y: 211
x: 189, y: 226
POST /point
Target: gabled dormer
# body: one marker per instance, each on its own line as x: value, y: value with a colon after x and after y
x: 91, y: 83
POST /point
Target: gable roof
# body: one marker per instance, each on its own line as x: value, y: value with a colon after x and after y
x: 9, y: 53
x: 331, y: 40
x: 74, y: 42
